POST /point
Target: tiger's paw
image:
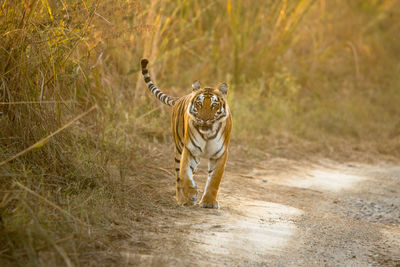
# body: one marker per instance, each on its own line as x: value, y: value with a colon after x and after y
x: 180, y: 198
x: 187, y: 202
x: 186, y: 196
x: 189, y: 193
x: 209, y: 204
x: 191, y: 196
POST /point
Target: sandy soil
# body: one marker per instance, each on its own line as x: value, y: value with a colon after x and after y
x: 283, y: 213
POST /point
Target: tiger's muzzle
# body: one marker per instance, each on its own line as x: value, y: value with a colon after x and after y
x: 204, y: 126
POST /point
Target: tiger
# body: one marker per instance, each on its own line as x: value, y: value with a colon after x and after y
x: 201, y: 124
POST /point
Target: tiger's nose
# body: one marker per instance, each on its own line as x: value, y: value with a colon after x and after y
x: 204, y: 122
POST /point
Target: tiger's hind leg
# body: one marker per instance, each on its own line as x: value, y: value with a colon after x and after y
x: 216, y: 168
x: 188, y: 193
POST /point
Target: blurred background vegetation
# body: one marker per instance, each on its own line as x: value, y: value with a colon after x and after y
x: 322, y: 74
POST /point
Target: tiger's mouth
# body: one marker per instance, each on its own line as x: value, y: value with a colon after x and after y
x: 204, y: 129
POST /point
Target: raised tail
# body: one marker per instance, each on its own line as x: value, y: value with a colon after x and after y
x: 166, y: 99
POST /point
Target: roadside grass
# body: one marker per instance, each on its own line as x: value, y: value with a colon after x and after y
x: 306, y: 78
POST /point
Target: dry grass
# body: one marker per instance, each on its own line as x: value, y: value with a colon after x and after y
x: 313, y: 76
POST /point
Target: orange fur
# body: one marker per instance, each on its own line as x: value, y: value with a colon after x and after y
x: 201, y: 124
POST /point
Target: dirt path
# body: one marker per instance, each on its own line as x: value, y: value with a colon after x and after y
x: 287, y: 213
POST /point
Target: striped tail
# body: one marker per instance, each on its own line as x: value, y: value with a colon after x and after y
x: 166, y: 99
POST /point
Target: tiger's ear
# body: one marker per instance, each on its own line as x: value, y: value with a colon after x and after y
x: 196, y: 85
x: 223, y: 88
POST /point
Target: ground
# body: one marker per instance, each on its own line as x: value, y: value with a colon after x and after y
x: 278, y: 212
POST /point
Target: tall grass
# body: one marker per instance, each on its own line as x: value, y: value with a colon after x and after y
x: 322, y: 71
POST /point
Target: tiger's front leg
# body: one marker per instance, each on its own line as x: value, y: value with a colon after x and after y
x: 216, y: 168
x: 187, y: 186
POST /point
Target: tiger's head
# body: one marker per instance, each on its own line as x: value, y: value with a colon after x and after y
x: 208, y: 106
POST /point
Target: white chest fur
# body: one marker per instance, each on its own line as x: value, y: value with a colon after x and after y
x: 208, y: 145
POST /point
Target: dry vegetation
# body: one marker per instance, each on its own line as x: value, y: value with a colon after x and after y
x: 320, y: 76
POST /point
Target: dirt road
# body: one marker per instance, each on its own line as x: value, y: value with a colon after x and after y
x: 284, y: 213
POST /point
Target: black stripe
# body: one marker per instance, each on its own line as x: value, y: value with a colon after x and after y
x: 221, y: 115
x: 223, y: 145
x: 177, y: 125
x: 144, y: 63
x: 158, y: 94
x: 219, y: 150
x: 181, y: 120
x: 145, y: 71
x: 220, y: 137
x: 177, y: 160
x: 177, y: 169
x: 210, y: 171
x: 193, y: 141
x: 190, y: 152
x: 216, y: 133
x: 191, y: 168
x: 202, y: 136
x: 179, y: 149
x: 166, y: 99
x: 177, y: 179
x: 178, y: 141
x: 147, y: 79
